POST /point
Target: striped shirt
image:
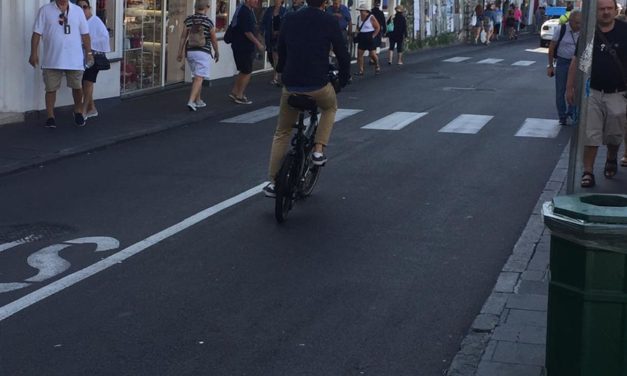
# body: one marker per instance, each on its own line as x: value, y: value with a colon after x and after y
x: 207, y: 24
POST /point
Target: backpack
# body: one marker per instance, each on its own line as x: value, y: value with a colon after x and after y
x: 390, y: 25
x: 557, y: 44
x: 196, y: 36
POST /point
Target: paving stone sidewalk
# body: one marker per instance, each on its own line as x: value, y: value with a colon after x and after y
x: 508, y: 337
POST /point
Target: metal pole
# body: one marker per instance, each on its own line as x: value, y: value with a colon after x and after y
x: 584, y: 48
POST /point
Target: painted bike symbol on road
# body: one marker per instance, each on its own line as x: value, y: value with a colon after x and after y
x: 47, y: 260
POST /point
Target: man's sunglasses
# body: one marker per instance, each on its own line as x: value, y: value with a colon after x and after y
x: 62, y: 19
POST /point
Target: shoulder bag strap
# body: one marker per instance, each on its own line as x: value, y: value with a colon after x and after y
x: 599, y: 34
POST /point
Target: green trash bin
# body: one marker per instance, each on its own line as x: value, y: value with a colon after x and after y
x: 587, y: 311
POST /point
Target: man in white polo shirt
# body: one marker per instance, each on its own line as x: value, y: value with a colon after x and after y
x: 63, y: 27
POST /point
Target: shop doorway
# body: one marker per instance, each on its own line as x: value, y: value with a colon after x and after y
x: 175, y: 18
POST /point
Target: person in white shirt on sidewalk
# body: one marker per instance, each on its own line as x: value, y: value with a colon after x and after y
x: 99, y: 45
x: 65, y: 32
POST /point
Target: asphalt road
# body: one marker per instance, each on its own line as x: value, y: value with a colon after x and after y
x: 380, y: 272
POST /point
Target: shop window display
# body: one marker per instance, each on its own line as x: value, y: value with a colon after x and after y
x: 141, y: 66
x: 222, y: 15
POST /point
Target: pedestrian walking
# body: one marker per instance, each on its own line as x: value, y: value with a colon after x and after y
x: 343, y: 16
x: 477, y: 25
x: 197, y: 39
x: 606, y: 115
x: 561, y: 51
x: 397, y: 33
x: 489, y: 19
x: 510, y: 24
x: 99, y: 36
x: 380, y: 17
x: 517, y: 19
x: 67, y: 50
x: 243, y: 45
x: 538, y: 17
x: 271, y: 25
x: 498, y: 13
x: 367, y: 29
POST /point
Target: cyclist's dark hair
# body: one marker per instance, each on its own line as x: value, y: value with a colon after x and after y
x: 315, y: 3
x: 85, y: 1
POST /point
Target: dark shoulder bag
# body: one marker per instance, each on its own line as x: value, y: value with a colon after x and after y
x: 599, y: 34
x: 101, y: 62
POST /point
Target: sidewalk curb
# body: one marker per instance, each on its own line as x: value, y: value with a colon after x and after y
x: 531, y: 246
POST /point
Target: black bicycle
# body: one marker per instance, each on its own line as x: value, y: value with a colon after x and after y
x: 298, y: 175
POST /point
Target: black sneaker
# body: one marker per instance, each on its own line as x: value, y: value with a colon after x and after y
x: 79, y: 120
x: 51, y: 123
x: 269, y: 191
x: 563, y: 122
x: 318, y: 159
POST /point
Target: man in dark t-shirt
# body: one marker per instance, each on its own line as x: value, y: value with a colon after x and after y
x: 606, y: 117
x: 243, y: 46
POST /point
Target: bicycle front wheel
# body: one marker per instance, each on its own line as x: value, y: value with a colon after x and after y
x: 309, y: 180
x: 285, y: 188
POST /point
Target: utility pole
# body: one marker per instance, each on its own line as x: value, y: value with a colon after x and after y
x: 584, y: 47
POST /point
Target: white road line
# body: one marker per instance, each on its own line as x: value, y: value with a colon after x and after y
x: 71, y: 279
x: 343, y: 113
x: 540, y: 50
x: 541, y: 128
x: 254, y: 116
x: 456, y: 59
x: 524, y: 63
x: 466, y: 123
x: 489, y: 61
x: 395, y: 121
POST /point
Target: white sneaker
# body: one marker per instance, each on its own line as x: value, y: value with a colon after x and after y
x: 90, y: 115
x: 192, y: 106
x: 200, y: 103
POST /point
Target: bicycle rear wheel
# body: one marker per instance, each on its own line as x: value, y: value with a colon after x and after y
x: 285, y: 187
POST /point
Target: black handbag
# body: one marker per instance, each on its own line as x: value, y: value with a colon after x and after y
x: 101, y: 62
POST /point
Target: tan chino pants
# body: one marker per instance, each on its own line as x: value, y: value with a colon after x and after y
x: 288, y: 116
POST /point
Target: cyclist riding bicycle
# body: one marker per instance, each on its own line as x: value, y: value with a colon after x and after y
x: 304, y: 43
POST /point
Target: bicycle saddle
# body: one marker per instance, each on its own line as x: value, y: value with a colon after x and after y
x: 302, y: 102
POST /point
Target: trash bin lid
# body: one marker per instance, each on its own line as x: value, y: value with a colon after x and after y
x: 593, y: 207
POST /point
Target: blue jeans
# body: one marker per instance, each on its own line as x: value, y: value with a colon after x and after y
x: 561, y: 75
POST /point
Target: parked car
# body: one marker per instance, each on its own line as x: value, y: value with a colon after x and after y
x: 552, y: 25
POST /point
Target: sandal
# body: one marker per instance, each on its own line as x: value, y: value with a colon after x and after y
x: 587, y: 180
x: 361, y: 73
x: 611, y: 168
x: 623, y: 162
x: 377, y: 71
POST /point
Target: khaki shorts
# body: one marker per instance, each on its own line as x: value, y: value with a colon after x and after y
x: 52, y: 79
x: 606, y: 119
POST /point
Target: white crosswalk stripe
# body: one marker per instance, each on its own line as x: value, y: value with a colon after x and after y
x: 395, y: 121
x: 541, y: 128
x: 524, y: 63
x: 456, y: 59
x: 273, y: 111
x: 466, y: 123
x: 489, y: 61
x: 254, y: 116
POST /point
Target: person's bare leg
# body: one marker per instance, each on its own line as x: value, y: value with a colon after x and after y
x: 77, y: 94
x: 88, y: 97
x: 589, y: 156
x: 374, y: 57
x: 360, y: 61
x: 390, y: 56
x: 400, y: 58
x: 194, y: 94
x: 51, y: 98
